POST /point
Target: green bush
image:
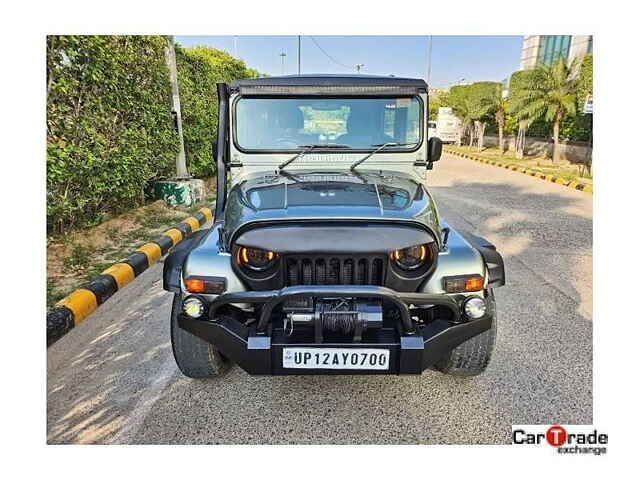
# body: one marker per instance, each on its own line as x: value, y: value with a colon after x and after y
x: 199, y: 69
x: 110, y: 132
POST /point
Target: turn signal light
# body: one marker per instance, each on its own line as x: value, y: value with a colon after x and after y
x: 194, y: 285
x: 215, y: 285
x: 463, y: 283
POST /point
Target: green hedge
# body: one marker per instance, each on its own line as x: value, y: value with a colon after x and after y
x: 110, y: 133
x: 199, y: 69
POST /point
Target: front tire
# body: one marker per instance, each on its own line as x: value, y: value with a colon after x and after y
x: 472, y: 357
x: 195, y: 357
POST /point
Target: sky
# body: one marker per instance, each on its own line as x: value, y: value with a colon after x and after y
x: 474, y: 58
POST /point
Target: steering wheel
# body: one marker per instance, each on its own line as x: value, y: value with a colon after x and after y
x: 287, y: 142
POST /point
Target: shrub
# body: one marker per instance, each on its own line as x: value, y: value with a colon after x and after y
x: 110, y: 132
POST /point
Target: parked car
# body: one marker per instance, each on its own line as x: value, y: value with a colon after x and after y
x: 330, y: 256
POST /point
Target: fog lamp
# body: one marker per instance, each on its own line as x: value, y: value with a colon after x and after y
x: 193, y: 306
x: 475, y: 308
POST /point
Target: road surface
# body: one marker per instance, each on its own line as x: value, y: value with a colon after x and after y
x: 113, y: 378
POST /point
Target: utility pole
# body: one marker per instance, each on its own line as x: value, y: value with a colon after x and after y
x: 429, y: 60
x: 282, y: 55
x: 359, y: 66
x: 299, y: 38
x: 235, y: 46
x: 170, y: 59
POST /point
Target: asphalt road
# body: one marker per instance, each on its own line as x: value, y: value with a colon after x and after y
x: 113, y: 378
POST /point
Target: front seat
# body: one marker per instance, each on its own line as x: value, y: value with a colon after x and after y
x: 362, y: 131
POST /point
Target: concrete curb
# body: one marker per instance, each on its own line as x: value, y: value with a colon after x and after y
x: 79, y: 304
x: 583, y: 187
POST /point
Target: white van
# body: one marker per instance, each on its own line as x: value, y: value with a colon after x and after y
x: 448, y: 125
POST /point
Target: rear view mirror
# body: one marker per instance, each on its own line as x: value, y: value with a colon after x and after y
x: 435, y: 149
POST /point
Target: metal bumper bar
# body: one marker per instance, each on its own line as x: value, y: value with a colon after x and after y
x: 263, y: 354
x: 272, y: 298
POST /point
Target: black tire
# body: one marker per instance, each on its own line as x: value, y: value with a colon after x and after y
x: 472, y: 357
x: 195, y: 357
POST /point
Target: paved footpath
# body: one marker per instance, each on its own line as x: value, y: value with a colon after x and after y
x: 113, y: 378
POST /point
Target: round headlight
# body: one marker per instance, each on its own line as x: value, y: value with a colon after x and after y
x: 256, y: 259
x: 475, y: 307
x: 411, y: 258
x: 193, y: 306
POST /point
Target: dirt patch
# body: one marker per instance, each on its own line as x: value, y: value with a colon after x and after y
x: 80, y: 256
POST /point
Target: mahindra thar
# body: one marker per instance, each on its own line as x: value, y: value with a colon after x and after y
x: 327, y: 254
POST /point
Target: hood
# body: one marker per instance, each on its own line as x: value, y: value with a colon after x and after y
x: 380, y: 196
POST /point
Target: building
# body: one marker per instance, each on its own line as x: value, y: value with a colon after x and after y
x: 545, y: 49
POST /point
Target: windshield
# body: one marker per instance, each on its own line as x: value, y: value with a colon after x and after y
x: 350, y: 123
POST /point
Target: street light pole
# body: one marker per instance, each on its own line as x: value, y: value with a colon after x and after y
x: 429, y: 60
x: 282, y: 55
x: 170, y: 59
x: 299, y: 54
x: 359, y: 66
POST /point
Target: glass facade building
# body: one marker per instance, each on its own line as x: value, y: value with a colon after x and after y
x: 546, y: 49
x: 553, y: 47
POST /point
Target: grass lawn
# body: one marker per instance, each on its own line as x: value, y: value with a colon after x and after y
x: 544, y: 165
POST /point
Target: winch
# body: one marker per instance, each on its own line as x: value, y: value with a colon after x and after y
x: 344, y: 315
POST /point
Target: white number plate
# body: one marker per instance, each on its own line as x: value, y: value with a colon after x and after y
x: 336, y: 358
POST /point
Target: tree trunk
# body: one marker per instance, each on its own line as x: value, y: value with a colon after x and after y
x: 556, y: 140
x: 521, y: 139
x: 481, y: 126
x: 500, y: 138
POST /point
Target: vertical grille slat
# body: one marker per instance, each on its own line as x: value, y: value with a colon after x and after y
x: 334, y: 270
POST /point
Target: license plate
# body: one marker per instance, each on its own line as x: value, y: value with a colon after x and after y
x: 336, y: 358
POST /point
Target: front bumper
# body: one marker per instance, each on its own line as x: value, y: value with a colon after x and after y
x: 259, y: 350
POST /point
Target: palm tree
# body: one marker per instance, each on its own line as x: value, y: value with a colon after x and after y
x: 463, y: 109
x: 497, y: 105
x: 553, y: 95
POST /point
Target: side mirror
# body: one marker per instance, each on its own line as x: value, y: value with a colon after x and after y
x: 435, y: 149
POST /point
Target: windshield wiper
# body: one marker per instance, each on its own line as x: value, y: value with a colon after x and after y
x: 307, y: 149
x: 381, y: 146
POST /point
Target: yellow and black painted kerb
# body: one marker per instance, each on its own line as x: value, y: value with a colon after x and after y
x: 79, y: 304
x: 583, y: 187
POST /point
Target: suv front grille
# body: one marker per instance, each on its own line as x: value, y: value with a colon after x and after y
x: 334, y: 270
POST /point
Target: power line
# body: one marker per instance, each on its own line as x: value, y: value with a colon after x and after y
x: 329, y: 56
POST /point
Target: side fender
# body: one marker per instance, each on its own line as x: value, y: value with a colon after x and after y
x: 466, y: 254
x: 172, y: 270
x: 491, y: 257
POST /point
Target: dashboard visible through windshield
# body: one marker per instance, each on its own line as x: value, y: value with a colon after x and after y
x: 286, y: 124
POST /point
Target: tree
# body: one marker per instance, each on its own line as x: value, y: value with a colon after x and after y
x: 497, y: 105
x: 550, y: 93
x: 199, y: 69
x: 471, y: 103
x: 460, y: 102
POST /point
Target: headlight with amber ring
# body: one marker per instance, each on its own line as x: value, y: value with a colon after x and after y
x: 256, y: 259
x: 411, y: 258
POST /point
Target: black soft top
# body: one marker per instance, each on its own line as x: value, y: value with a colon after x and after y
x: 327, y: 84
